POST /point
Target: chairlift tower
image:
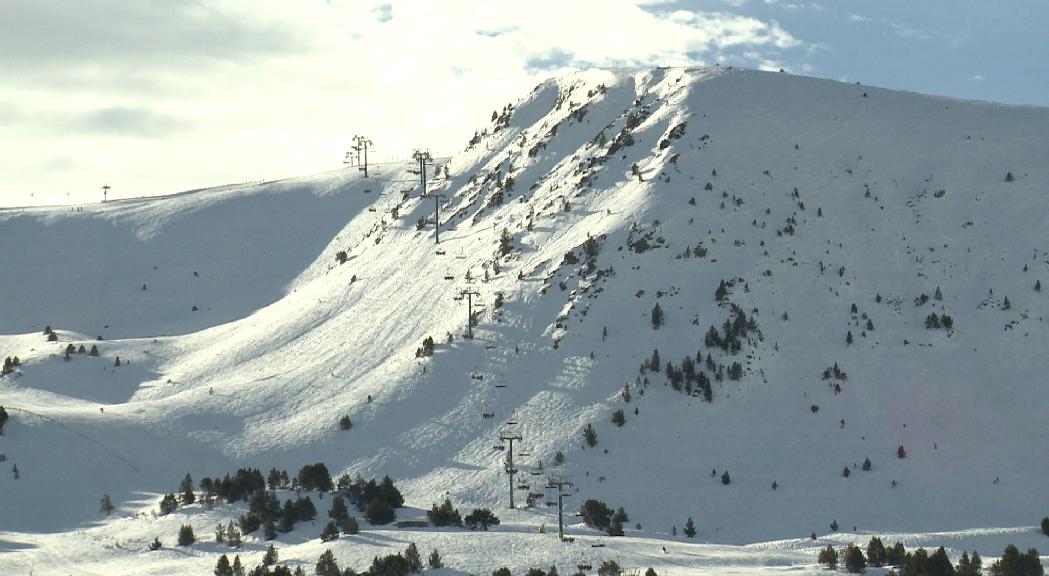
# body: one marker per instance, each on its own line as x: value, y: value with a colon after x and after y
x: 560, y: 484
x: 510, y: 470
x: 105, y: 193
x: 361, y: 144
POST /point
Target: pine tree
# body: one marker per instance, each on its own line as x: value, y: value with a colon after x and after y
x: 326, y: 565
x: 415, y: 562
x: 269, y: 530
x: 690, y: 528
x: 331, y: 532
x: 1045, y: 525
x: 901, y: 453
x: 854, y: 561
x: 155, y: 545
x: 828, y: 557
x: 845, y: 472
x: 725, y: 478
x: 590, y: 435
x: 435, y: 559
x: 866, y: 464
x: 185, y: 535
x: 848, y: 338
x: 657, y: 316
x: 106, y: 505
x: 721, y: 291
x: 232, y: 535
x: 345, y: 423
x: 618, y: 418
x: 168, y: 504
x: 186, y: 487
x: 271, y: 557
x: 875, y: 552
x: 481, y: 518
x: 615, y: 527
x: 222, y: 567
x: 338, y: 511
x: 238, y: 568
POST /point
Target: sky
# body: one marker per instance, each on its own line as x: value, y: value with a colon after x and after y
x: 156, y: 97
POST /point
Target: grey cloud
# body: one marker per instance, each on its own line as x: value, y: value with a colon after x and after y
x: 42, y: 37
x: 134, y: 122
x: 549, y: 60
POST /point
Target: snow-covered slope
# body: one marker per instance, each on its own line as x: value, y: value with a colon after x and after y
x: 806, y: 197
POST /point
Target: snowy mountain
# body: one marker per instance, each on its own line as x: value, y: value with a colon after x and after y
x: 867, y: 259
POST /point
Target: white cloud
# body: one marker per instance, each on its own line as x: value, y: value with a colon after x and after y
x: 159, y: 97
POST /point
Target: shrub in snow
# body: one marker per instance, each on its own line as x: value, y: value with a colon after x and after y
x: 185, y: 535
x: 481, y: 518
x: 828, y: 557
x: 444, y: 515
x: 590, y: 435
x: 855, y: 563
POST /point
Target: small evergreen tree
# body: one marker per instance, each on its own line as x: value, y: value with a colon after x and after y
x: 618, y: 418
x: 901, y: 453
x: 940, y: 564
x: 444, y: 515
x: 845, y: 472
x: 690, y: 528
x: 155, y: 545
x: 186, y: 487
x: 185, y: 535
x: 854, y: 561
x: 168, y: 504
x: 615, y: 527
x: 222, y: 567
x: 481, y: 518
x: 725, y: 478
x: 657, y: 316
x: 590, y: 435
x: 596, y: 514
x: 238, y: 568
x: 828, y: 557
x: 610, y: 568
x: 875, y: 552
x: 344, y: 423
x: 415, y: 562
x: 330, y: 532
x: 326, y: 565
x: 866, y: 464
x: 504, y: 571
x: 435, y: 559
x: 232, y: 535
x: 271, y: 557
x: 106, y: 505
x: 1045, y: 525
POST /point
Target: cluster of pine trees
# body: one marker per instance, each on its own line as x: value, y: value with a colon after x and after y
x: 10, y: 363
x: 921, y: 563
x: 733, y: 331
x: 378, y: 500
x: 690, y: 376
x: 599, y: 515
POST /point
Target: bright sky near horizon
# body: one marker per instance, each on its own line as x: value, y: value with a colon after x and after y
x: 159, y: 97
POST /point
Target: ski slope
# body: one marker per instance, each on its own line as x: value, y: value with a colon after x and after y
x: 821, y: 195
